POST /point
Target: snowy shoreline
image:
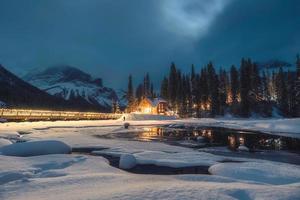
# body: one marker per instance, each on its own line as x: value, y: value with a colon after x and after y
x: 282, y: 127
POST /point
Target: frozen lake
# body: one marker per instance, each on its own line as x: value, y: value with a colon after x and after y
x: 220, y: 141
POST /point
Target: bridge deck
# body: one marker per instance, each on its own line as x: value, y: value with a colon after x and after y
x: 42, y: 115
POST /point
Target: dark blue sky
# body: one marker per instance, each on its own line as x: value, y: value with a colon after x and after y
x: 111, y: 38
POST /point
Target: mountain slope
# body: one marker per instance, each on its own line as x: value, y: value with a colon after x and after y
x: 71, y: 83
x: 17, y: 93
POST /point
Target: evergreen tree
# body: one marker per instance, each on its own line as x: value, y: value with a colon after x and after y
x: 139, y: 92
x: 115, y: 106
x: 213, y: 84
x: 281, y: 93
x: 164, y: 89
x: 193, y: 85
x: 265, y: 87
x: 291, y: 95
x: 298, y: 66
x: 234, y: 89
x: 189, y: 97
x: 245, y: 87
x: 130, y: 95
x: 147, y: 85
x: 266, y: 99
x: 202, y: 91
x: 172, y: 86
x: 117, y: 110
x: 179, y: 93
x: 255, y: 90
x: 297, y: 88
x: 222, y: 91
x: 198, y: 92
x: 152, y: 91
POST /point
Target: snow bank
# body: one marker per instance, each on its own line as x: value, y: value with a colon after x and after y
x: 4, y: 142
x: 72, y: 177
x: 177, y: 160
x: 35, y: 148
x: 243, y: 148
x: 140, y: 117
x: 263, y: 172
x: 160, y: 158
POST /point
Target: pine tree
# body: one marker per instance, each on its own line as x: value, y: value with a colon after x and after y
x: 298, y: 67
x: 172, y: 86
x: 113, y: 106
x: 152, y: 91
x: 164, y: 89
x: 222, y: 91
x: 117, y: 107
x: 193, y: 85
x: 213, y: 84
x: 245, y: 87
x: 297, y: 88
x: 189, y: 97
x: 266, y: 99
x: 147, y: 85
x: 179, y: 93
x: 281, y: 93
x: 291, y: 95
x: 198, y: 94
x: 129, y: 95
x: 139, y: 92
x: 234, y: 89
x: 255, y: 93
x: 202, y: 91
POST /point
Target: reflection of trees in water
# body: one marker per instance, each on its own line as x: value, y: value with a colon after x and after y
x: 220, y: 137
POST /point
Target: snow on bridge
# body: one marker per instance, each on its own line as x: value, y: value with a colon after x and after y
x: 35, y: 115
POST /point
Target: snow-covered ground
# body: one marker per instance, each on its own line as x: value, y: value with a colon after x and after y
x: 77, y: 176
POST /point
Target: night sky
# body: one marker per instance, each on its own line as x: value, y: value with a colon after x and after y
x: 111, y: 38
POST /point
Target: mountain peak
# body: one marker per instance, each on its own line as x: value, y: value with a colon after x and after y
x: 71, y: 83
x: 60, y: 73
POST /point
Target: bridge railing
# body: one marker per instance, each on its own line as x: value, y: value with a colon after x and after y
x: 28, y: 115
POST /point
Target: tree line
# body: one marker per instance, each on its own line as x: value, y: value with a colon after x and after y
x: 243, y: 91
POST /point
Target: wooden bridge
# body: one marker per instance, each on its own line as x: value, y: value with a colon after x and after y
x: 47, y: 115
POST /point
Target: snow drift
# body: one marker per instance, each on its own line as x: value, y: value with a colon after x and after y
x: 4, y: 142
x: 35, y: 148
x: 263, y: 172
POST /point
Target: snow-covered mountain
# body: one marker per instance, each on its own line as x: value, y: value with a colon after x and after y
x: 274, y: 64
x: 14, y: 92
x: 71, y: 83
x: 2, y: 104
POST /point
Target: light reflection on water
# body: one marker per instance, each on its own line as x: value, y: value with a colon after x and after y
x: 217, y: 137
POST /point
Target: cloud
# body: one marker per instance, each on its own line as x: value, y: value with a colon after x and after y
x: 190, y: 18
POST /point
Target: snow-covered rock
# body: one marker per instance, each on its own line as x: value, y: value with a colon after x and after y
x: 243, y: 148
x: 264, y: 172
x: 35, y: 148
x: 4, y: 142
x: 127, y: 161
x: 71, y: 83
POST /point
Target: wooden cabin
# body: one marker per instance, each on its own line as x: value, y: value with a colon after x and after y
x: 156, y: 106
